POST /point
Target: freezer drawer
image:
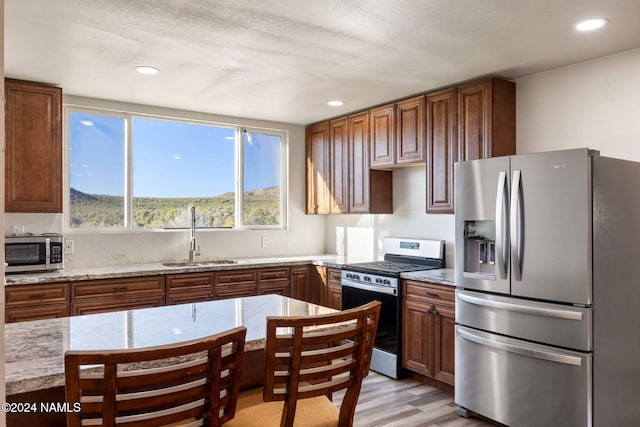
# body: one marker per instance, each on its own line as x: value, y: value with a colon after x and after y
x: 554, y: 324
x: 522, y: 384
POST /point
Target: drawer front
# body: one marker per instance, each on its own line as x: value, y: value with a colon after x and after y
x: 193, y: 282
x: 335, y: 275
x: 188, y: 297
x: 276, y: 287
x: 236, y: 291
x: 16, y: 296
x: 428, y: 292
x: 116, y: 304
x: 109, y: 288
x: 39, y: 312
x: 273, y: 274
x: 236, y: 277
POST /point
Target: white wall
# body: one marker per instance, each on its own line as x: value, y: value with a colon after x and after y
x: 593, y: 104
x: 305, y: 235
x: 361, y: 235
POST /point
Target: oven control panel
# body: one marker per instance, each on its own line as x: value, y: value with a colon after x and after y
x: 369, y: 279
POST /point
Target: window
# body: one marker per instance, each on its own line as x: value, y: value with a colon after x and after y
x: 143, y: 173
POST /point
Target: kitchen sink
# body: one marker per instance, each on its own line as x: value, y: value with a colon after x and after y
x: 199, y: 263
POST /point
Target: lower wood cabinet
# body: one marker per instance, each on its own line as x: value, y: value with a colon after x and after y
x: 314, y: 284
x: 98, y: 296
x: 190, y: 287
x: 36, y: 302
x: 236, y: 284
x: 273, y: 281
x: 428, y: 317
x: 299, y: 282
x: 334, y: 288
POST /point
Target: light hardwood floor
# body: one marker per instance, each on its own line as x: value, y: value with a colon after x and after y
x: 405, y: 403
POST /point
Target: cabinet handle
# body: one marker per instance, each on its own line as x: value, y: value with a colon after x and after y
x: 191, y: 283
x: 430, y: 294
x: 37, y: 296
x: 120, y: 289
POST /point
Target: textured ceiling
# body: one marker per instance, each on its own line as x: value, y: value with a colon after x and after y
x: 282, y: 60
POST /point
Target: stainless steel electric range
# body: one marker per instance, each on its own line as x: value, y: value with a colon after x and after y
x: 380, y: 280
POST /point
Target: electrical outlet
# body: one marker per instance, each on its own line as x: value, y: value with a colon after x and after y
x: 266, y: 241
x: 69, y: 247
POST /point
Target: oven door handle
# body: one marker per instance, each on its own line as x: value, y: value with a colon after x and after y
x: 377, y: 289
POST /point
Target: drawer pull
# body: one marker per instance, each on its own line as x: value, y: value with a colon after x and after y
x: 37, y: 296
x: 431, y: 294
x: 120, y: 289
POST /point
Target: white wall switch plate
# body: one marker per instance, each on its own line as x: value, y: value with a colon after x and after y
x: 69, y: 247
x: 266, y: 241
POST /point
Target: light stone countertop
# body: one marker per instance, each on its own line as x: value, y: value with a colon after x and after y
x: 442, y: 276
x: 34, y: 351
x: 149, y: 269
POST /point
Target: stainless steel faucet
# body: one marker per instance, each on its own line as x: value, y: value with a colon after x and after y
x: 193, y: 249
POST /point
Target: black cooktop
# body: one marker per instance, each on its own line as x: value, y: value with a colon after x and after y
x: 391, y: 267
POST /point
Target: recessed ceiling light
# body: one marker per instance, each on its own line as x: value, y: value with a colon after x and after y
x: 591, y: 24
x: 146, y: 69
x: 335, y: 103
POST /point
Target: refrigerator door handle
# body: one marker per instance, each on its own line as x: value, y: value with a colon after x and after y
x: 536, y: 311
x: 521, y: 349
x: 517, y: 225
x: 502, y: 230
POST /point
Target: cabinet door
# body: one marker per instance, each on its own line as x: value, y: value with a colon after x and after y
x: 441, y: 150
x: 474, y: 119
x: 410, y: 131
x: 33, y: 156
x: 383, y: 136
x: 318, y: 169
x: 417, y: 337
x: 299, y: 283
x: 339, y: 152
x: 334, y: 288
x: 486, y: 119
x: 444, y: 339
x: 359, y: 163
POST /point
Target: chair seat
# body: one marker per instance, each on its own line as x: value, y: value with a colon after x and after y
x: 251, y: 411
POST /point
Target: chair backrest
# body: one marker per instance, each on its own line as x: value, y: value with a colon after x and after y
x: 317, y: 355
x: 196, y: 380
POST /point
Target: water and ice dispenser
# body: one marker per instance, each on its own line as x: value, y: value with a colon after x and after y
x: 480, y: 247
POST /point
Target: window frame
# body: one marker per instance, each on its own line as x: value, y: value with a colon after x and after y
x: 128, y: 117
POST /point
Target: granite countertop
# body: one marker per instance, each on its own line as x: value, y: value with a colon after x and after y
x: 34, y: 351
x: 149, y: 269
x: 442, y: 276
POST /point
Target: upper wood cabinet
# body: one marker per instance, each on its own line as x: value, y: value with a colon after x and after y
x: 33, y: 165
x: 397, y: 133
x: 441, y: 150
x: 318, y: 168
x: 468, y: 122
x: 486, y: 119
x: 410, y: 128
x: 382, y: 134
x: 339, y: 166
x: 339, y: 179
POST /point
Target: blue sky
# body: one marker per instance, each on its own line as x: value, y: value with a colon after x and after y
x: 170, y: 159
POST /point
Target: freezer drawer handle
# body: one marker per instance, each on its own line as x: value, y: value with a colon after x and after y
x: 537, y: 311
x: 525, y: 351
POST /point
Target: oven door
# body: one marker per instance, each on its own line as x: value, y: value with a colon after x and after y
x: 385, y: 359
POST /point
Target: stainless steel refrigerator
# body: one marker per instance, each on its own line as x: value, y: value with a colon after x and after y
x: 548, y: 298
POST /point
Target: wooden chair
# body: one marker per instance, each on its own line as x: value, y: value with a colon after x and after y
x: 307, y: 359
x: 191, y: 383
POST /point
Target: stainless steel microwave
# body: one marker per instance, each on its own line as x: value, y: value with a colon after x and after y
x: 33, y: 253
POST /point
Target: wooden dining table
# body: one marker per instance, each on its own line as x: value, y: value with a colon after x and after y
x: 34, y: 350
